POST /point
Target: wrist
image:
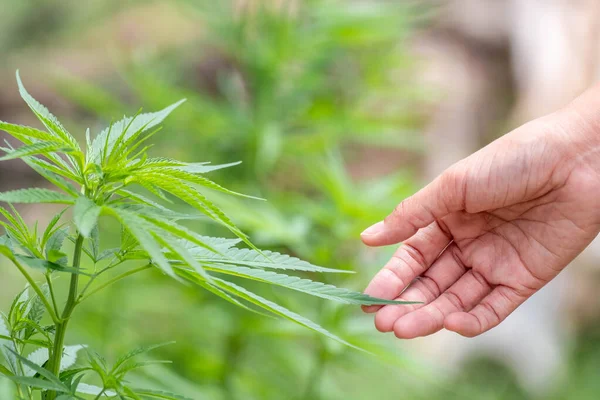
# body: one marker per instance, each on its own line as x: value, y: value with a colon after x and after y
x: 579, y: 129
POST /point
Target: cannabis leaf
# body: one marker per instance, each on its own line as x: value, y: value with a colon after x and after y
x: 113, y: 177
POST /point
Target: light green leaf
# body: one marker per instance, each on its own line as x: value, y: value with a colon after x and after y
x: 36, y: 195
x: 45, y: 265
x: 85, y: 215
x: 85, y: 388
x: 181, y: 253
x: 197, y: 200
x: 254, y: 259
x: 53, y: 174
x: 157, y: 394
x: 49, y: 120
x: 313, y: 288
x: 39, y: 383
x: 7, y: 346
x: 26, y: 134
x: 51, y: 378
x: 34, y: 149
x: 37, y: 311
x: 141, y: 230
x: 173, y: 174
x: 40, y: 356
x: 204, y: 167
x: 277, y: 309
x: 136, y: 352
x: 106, y: 140
x: 55, y: 242
x: 217, y: 243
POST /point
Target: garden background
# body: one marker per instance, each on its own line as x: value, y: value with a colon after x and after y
x: 338, y: 109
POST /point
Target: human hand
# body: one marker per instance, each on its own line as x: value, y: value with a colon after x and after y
x: 493, y: 229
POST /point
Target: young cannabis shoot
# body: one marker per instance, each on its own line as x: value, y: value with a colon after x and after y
x: 96, y: 182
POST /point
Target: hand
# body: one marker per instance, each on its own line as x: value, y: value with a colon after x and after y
x: 493, y: 229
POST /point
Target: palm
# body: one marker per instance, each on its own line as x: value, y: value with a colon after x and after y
x: 483, y: 238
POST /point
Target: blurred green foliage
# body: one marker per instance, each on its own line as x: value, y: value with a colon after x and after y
x: 296, y: 94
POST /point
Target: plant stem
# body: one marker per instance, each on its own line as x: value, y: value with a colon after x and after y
x: 113, y: 280
x: 37, y: 290
x: 51, y: 290
x: 95, y: 276
x: 61, y: 326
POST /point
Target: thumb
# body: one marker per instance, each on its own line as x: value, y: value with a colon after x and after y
x: 446, y: 194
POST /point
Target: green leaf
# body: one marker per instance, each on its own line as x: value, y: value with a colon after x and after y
x: 313, y: 288
x: 34, y: 149
x: 197, y: 200
x: 40, y: 356
x: 195, y: 278
x: 5, y: 371
x: 181, y: 253
x: 254, y: 259
x: 204, y: 167
x: 155, y: 211
x: 141, y: 230
x: 36, y: 195
x: 37, y: 311
x: 217, y: 243
x: 136, y: 352
x: 277, y: 309
x: 95, y: 243
x: 26, y: 134
x: 85, y: 388
x: 49, y: 120
x: 53, y: 174
x: 172, y: 174
x: 51, y: 379
x: 85, y: 215
x: 55, y: 242
x: 157, y: 394
x: 124, y: 129
x: 7, y: 346
x: 45, y: 265
x: 50, y: 228
x: 39, y: 383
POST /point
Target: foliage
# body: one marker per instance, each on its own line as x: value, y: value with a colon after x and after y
x: 297, y: 94
x: 95, y: 182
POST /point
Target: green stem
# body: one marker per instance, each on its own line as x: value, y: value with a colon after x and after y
x: 51, y: 290
x: 37, y: 290
x: 113, y: 280
x: 61, y: 326
x: 95, y: 276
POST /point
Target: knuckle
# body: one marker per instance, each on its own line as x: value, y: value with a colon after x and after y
x: 430, y: 286
x: 492, y: 316
x: 415, y: 256
x: 455, y: 300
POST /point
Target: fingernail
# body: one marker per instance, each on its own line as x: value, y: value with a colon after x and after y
x: 373, y: 229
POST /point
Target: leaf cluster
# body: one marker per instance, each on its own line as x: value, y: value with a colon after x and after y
x: 114, y: 177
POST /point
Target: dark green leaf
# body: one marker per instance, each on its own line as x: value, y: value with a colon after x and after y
x: 85, y: 215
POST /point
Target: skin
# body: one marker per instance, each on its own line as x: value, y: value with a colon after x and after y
x: 494, y: 228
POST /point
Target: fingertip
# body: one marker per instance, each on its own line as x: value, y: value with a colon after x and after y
x: 374, y: 229
x: 375, y: 235
x: 370, y: 309
x: 385, y: 319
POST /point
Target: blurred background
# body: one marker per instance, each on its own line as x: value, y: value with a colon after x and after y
x: 338, y: 110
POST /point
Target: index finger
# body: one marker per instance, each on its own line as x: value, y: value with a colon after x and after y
x: 441, y: 197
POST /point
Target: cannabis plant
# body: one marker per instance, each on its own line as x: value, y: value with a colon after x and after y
x: 100, y: 181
